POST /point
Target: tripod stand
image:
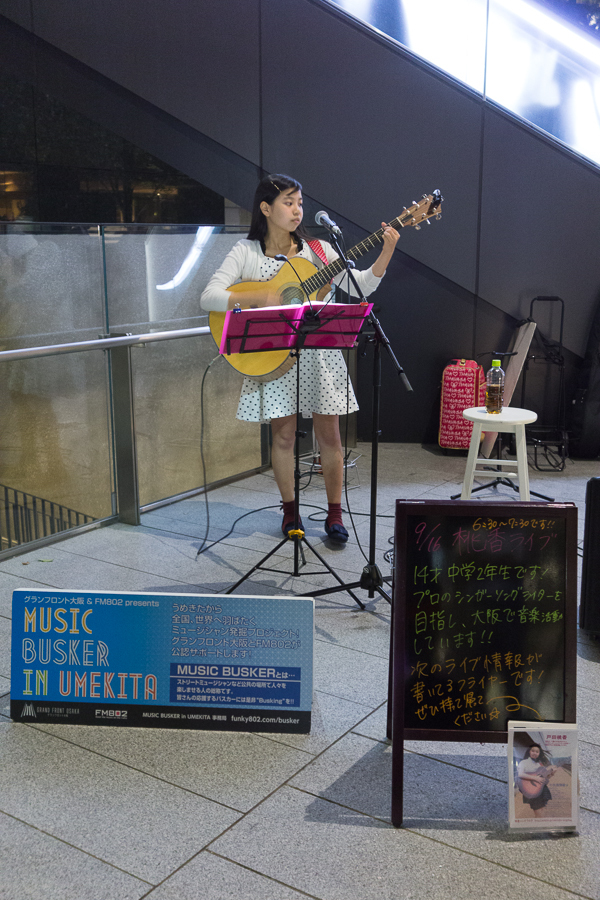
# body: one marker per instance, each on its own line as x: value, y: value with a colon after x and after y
x: 371, y: 579
x: 311, y: 330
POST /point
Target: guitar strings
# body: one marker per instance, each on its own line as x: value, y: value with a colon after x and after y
x: 407, y: 216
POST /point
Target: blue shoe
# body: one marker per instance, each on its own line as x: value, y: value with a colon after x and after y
x: 288, y: 526
x: 336, y: 533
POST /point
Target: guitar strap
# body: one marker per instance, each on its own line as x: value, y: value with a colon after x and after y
x: 317, y: 249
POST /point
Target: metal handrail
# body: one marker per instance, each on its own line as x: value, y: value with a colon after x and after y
x: 121, y: 398
x: 128, y: 340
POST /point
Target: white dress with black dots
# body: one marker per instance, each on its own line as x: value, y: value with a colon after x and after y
x: 325, y: 387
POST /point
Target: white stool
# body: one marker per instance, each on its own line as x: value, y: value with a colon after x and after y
x: 510, y: 420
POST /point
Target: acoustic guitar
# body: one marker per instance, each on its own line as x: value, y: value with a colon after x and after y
x: 309, y: 281
x: 533, y: 789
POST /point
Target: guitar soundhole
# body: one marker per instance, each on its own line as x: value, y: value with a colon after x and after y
x: 293, y: 293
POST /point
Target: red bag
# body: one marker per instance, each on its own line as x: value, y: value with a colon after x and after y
x: 463, y: 386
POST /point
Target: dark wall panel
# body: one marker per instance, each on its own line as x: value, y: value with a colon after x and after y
x: 428, y: 320
x: 122, y: 112
x: 18, y: 11
x: 199, y: 61
x: 367, y: 131
x: 540, y: 227
x: 18, y: 55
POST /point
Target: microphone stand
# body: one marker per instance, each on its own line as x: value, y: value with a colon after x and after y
x: 308, y: 326
x: 371, y: 578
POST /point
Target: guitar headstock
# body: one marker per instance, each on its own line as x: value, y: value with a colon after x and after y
x: 427, y: 208
x: 421, y: 211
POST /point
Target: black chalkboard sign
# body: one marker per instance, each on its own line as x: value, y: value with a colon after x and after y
x: 484, y: 629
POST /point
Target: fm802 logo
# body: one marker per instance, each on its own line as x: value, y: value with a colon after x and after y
x: 111, y: 713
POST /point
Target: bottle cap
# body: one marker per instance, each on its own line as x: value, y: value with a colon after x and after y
x: 496, y: 363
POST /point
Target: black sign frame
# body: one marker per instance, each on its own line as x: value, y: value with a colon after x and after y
x: 519, y: 528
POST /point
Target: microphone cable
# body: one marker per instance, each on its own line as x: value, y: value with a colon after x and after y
x: 250, y: 512
x: 205, y: 538
x: 346, y: 455
x: 281, y: 257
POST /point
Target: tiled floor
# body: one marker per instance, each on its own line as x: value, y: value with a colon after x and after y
x: 112, y: 814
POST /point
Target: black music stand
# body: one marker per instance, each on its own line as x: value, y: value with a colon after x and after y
x: 318, y: 325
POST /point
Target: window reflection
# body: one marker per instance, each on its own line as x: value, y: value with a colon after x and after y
x: 539, y: 66
x: 546, y: 71
x: 59, y: 166
x: 451, y: 35
x: 16, y: 188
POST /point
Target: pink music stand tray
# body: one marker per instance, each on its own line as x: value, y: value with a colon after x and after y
x: 278, y: 327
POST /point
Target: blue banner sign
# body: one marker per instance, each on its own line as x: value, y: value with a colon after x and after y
x: 162, y: 660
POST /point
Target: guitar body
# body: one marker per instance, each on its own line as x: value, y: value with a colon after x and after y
x: 268, y: 365
x: 531, y: 789
x: 293, y: 287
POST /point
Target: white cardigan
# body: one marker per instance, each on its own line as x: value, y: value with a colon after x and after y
x: 243, y: 263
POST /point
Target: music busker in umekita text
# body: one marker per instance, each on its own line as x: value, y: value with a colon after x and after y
x: 325, y: 392
x: 65, y: 637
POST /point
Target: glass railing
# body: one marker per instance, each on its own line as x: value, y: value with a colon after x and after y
x: 516, y: 53
x: 54, y: 438
x: 154, y: 279
x: 63, y: 284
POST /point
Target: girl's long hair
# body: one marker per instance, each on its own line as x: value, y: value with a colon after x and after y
x: 268, y: 190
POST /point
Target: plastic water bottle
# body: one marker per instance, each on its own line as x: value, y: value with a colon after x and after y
x: 494, y: 391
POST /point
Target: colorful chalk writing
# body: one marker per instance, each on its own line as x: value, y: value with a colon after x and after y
x: 485, y: 600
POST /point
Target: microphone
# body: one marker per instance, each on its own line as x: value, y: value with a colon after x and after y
x: 323, y: 219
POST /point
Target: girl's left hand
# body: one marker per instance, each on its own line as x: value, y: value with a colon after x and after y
x: 390, y: 239
x: 390, y: 235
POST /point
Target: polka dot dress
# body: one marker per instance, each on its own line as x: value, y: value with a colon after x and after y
x: 325, y: 387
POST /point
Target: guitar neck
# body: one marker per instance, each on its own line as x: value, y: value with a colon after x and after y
x: 324, y: 276
x: 419, y: 212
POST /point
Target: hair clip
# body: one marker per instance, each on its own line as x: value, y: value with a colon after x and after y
x: 275, y: 186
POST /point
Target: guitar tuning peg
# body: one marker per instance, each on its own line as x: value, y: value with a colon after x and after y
x: 414, y: 203
x: 438, y: 217
x: 427, y: 222
x: 417, y: 227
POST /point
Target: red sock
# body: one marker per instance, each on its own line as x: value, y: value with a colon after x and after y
x: 334, y: 515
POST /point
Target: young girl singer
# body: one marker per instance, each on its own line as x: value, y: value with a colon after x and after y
x: 325, y: 390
